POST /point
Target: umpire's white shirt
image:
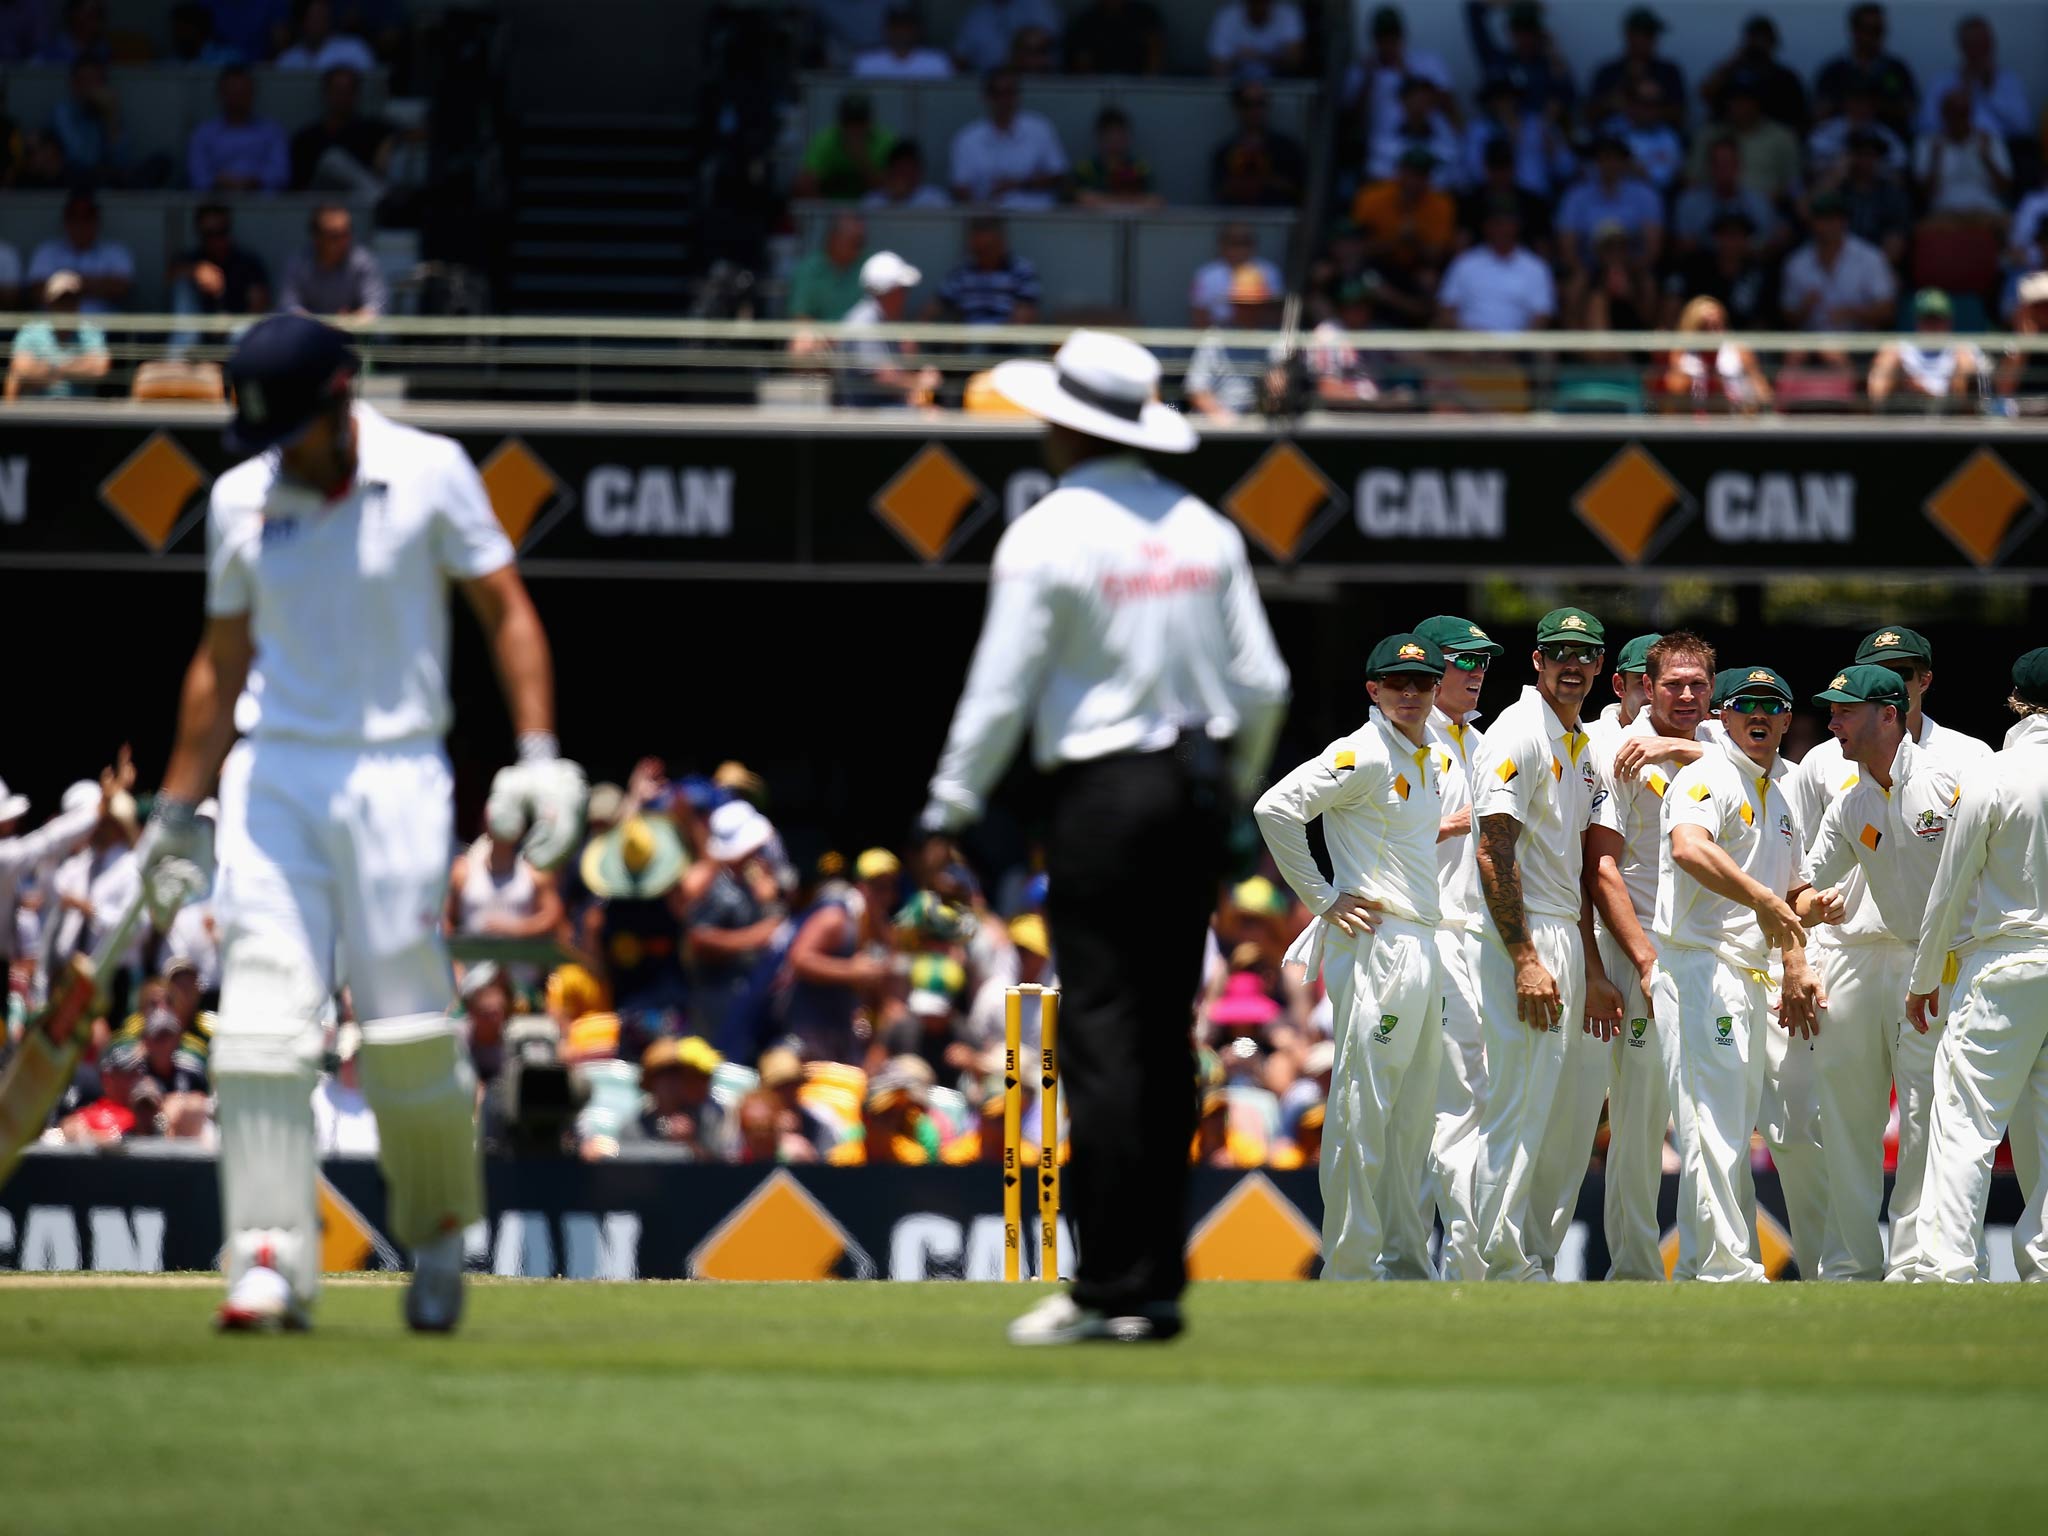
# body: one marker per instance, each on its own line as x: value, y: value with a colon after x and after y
x: 347, y: 597
x: 1535, y: 768
x: 1745, y: 812
x: 1457, y: 865
x: 1122, y: 611
x: 1996, y: 849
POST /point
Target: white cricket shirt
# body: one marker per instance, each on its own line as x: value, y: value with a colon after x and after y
x: 1997, y: 850
x: 1541, y: 772
x: 1380, y: 799
x: 1121, y: 612
x: 1745, y: 812
x: 348, y: 598
x: 1633, y: 807
x: 1457, y: 861
x: 1893, y: 835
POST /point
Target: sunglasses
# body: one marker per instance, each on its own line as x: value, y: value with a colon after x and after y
x: 1569, y: 653
x: 1751, y: 704
x: 1407, y: 682
x: 1471, y: 661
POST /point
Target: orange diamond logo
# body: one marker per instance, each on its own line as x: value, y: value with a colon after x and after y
x: 520, y: 486
x: 1255, y: 1233
x: 1277, y: 500
x: 1630, y: 504
x: 1984, y: 508
x: 348, y: 1242
x: 150, y: 489
x: 928, y: 499
x: 1773, y: 1247
x: 780, y: 1232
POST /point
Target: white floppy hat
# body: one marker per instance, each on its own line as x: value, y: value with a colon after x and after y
x: 1102, y: 385
x: 885, y: 272
x: 2034, y: 288
x: 81, y: 795
x: 11, y: 804
x: 737, y: 832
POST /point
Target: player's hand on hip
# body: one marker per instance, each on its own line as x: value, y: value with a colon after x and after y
x: 1354, y: 915
x: 175, y: 858
x: 1922, y: 1009
x: 551, y: 796
x: 1603, y: 1008
x: 1646, y: 974
x: 1538, y: 1003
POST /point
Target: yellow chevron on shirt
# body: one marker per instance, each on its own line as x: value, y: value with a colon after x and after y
x: 1658, y: 783
x: 1556, y: 769
x: 1575, y: 743
x: 1507, y: 771
x: 1401, y: 785
x: 1699, y: 792
x: 1951, y: 968
x: 1871, y: 837
x: 1851, y: 782
x: 1748, y: 816
x: 1345, y: 760
x: 1957, y: 795
x: 1443, y: 762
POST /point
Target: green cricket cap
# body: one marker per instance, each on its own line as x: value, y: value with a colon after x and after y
x: 1864, y: 684
x: 2030, y: 676
x: 1635, y: 656
x: 1738, y: 682
x: 1933, y: 303
x: 1571, y: 624
x: 1895, y: 643
x: 1404, y: 653
x: 1452, y: 635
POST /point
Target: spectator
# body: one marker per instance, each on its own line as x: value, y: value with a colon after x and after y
x: 1755, y: 64
x: 1720, y: 191
x: 342, y: 150
x: 1879, y: 209
x: 734, y: 902
x: 493, y: 892
x: 1338, y: 372
x: 1117, y: 37
x: 990, y: 27
x: 1375, y: 84
x: 894, y: 1124
x: 2027, y: 251
x: 903, y: 54
x: 318, y: 47
x: 165, y: 1058
x: 1827, y: 147
x: 1499, y: 181
x: 1409, y: 225
x: 1611, y: 194
x: 191, y: 970
x: 826, y: 283
x: 993, y: 286
x: 110, y: 1116
x: 23, y: 24
x: 1035, y: 51
x: 1941, y: 370
x: 1254, y: 39
x: 1227, y: 381
x: 86, y: 123
x: 837, y: 962
x: 1730, y: 270
x: 1256, y: 167
x: 1420, y: 125
x: 762, y: 1137
x: 1837, y: 282
x: 59, y: 356
x: 634, y: 929
x: 1885, y: 78
x: 343, y: 1125
x: 1498, y: 285
x: 1209, y: 292
x: 256, y: 29
x: 486, y: 995
x: 193, y: 41
x: 1532, y: 61
x: 10, y: 276
x: 217, y: 276
x: 903, y: 184
x: 1541, y: 158
x: 845, y: 161
x: 1613, y: 291
x: 1769, y: 150
x: 104, y: 267
x: 1009, y: 156
x: 852, y: 27
x: 782, y: 1077
x: 1998, y: 101
x: 2022, y: 384
x: 1114, y: 176
x: 1616, y: 83
x: 680, y: 1112
x: 238, y: 151
x: 1963, y: 170
x: 94, y: 885
x: 81, y: 35
x: 1654, y: 145
x: 334, y: 276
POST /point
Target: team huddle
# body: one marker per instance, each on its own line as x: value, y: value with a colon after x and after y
x: 1654, y: 911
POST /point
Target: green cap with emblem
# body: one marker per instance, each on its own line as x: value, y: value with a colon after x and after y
x: 1561, y: 625
x: 2030, y: 676
x: 1635, y: 656
x: 1864, y: 684
x: 1895, y: 643
x: 1453, y: 635
x: 1739, y: 682
x: 1404, y: 653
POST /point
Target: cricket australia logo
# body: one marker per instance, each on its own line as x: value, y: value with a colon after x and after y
x: 1928, y: 825
x: 1387, y: 1023
x: 1724, y: 1029
x: 1637, y: 1028
x: 1785, y: 826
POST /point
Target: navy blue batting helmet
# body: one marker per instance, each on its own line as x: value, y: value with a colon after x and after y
x: 284, y: 373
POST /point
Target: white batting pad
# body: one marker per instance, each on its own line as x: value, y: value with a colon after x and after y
x: 417, y: 1079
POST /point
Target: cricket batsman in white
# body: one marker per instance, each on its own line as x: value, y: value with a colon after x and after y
x: 1379, y: 794
x: 329, y: 557
x: 1991, y: 1065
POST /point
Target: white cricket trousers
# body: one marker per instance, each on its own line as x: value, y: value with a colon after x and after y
x: 1386, y: 1005
x: 1790, y: 1124
x: 1991, y: 1072
x: 1460, y: 1092
x: 1544, y: 1088
x: 1713, y: 1015
x: 1638, y: 1111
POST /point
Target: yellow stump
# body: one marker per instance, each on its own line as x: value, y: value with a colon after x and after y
x: 1013, y: 1132
x: 1048, y: 1135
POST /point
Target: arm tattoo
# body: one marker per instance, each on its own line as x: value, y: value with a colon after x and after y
x: 1500, y: 877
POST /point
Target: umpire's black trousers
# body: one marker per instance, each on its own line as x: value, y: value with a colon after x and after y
x: 1134, y: 854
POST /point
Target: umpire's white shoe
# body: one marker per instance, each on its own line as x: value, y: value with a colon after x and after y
x: 433, y: 1302
x: 261, y: 1299
x: 1059, y: 1320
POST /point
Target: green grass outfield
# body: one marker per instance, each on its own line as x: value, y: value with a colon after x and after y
x: 886, y: 1407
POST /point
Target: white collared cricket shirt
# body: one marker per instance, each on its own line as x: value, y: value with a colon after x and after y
x: 1744, y: 811
x: 1541, y: 772
x: 1996, y: 850
x: 1457, y: 745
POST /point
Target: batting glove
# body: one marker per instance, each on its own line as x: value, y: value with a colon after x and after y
x: 175, y: 856
x: 550, y: 791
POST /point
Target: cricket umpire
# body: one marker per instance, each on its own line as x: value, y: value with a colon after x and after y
x: 1124, y: 627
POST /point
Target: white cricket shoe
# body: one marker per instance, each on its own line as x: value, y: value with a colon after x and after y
x: 261, y: 1299
x: 1059, y: 1320
x: 433, y: 1302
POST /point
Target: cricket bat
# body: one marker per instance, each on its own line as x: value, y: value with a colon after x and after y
x: 42, y: 1065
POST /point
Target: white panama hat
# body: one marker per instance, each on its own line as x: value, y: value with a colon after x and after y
x: 738, y: 831
x: 885, y: 272
x: 1102, y: 385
